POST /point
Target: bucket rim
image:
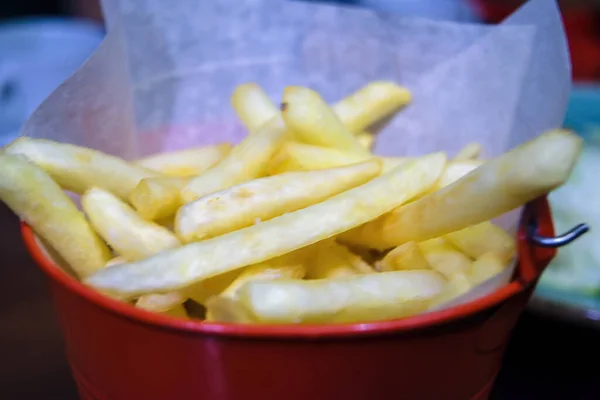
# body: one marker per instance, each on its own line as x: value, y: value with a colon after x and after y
x: 523, y: 278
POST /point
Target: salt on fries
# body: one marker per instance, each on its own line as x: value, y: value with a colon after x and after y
x: 297, y: 223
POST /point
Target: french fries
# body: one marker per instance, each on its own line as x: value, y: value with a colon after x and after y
x: 312, y: 121
x: 498, y: 186
x: 353, y: 299
x: 262, y: 199
x: 248, y: 160
x: 370, y: 104
x: 297, y: 223
x: 366, y: 139
x: 197, y: 261
x: 186, y: 163
x: 157, y: 198
x: 444, y: 258
x: 40, y: 202
x: 477, y: 240
x: 78, y: 169
x: 404, y: 257
x: 253, y: 106
x: 296, y: 156
x: 329, y: 262
x: 486, y: 266
x: 123, y: 229
x: 470, y: 152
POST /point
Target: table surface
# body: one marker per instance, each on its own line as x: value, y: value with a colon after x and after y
x: 544, y: 360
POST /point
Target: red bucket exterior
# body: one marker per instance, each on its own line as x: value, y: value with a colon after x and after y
x: 120, y: 353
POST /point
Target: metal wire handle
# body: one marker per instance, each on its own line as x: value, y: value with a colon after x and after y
x: 556, y: 241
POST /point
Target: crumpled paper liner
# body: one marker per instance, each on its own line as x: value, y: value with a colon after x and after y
x: 163, y: 76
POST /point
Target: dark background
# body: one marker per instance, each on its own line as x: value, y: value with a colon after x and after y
x: 546, y: 359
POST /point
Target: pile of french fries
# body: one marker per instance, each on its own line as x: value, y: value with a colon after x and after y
x: 298, y: 223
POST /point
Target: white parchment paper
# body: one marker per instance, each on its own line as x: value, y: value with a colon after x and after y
x: 163, y: 77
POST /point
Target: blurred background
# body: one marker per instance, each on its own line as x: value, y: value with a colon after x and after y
x: 556, y: 344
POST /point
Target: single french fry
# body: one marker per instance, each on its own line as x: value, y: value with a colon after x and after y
x: 486, y: 266
x: 123, y: 229
x: 265, y: 198
x: 248, y: 160
x: 444, y: 258
x: 177, y: 311
x: 296, y: 156
x: 366, y: 139
x: 470, y: 152
x: 328, y: 262
x: 498, y: 186
x: 226, y: 309
x: 252, y: 106
x: 38, y: 200
x: 477, y: 240
x: 116, y: 260
x: 404, y: 257
x: 201, y: 260
x: 160, y: 303
x: 458, y: 284
x: 354, y: 260
x: 187, y: 162
x: 157, y: 198
x: 78, y: 169
x: 370, y: 104
x: 312, y: 121
x: 360, y: 298
x: 266, y: 271
x: 456, y: 170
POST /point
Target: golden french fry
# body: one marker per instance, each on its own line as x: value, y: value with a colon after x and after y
x: 115, y: 261
x: 248, y: 160
x: 265, y: 198
x: 177, y: 311
x: 201, y: 260
x: 123, y: 229
x: 161, y: 303
x: 456, y: 170
x: 458, y: 284
x: 444, y: 258
x: 470, y: 152
x: 158, y: 198
x: 404, y: 257
x: 312, y: 121
x: 370, y: 104
x: 296, y: 156
x: 252, y: 106
x: 328, y: 262
x: 202, y: 291
x: 186, y: 163
x: 498, y: 186
x: 483, y: 238
x: 266, y: 271
x: 486, y: 266
x: 360, y: 298
x: 78, y: 168
x: 226, y: 309
x: 40, y: 202
x: 366, y: 139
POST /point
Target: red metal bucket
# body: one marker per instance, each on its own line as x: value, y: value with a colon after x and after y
x: 119, y: 352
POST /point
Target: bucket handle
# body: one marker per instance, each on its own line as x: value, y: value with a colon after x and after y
x: 554, y: 241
